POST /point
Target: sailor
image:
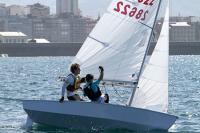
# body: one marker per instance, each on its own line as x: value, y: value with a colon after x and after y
x: 91, y: 88
x: 72, y: 84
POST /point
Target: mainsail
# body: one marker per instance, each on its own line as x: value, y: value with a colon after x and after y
x: 119, y: 40
x: 152, y: 91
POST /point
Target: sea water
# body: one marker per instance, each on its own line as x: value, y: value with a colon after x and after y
x: 37, y: 78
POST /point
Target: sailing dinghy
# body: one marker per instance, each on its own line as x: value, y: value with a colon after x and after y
x: 119, y: 43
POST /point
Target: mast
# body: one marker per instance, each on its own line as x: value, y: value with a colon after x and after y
x: 146, y: 52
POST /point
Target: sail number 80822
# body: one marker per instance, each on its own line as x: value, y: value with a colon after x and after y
x: 126, y: 9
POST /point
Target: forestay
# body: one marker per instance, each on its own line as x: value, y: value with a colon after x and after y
x: 152, y: 91
x: 119, y: 40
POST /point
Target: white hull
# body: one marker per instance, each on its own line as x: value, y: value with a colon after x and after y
x: 87, y: 115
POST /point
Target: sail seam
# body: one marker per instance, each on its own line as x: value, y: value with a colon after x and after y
x: 131, y: 2
x: 153, y: 80
x: 130, y: 21
x: 160, y: 51
x: 103, y: 43
x: 151, y: 64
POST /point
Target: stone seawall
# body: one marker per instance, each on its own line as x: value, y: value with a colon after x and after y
x: 70, y: 49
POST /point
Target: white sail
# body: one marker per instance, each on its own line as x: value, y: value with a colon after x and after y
x: 153, y: 85
x: 118, y: 42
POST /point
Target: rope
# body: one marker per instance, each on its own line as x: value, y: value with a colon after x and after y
x: 113, y: 88
x: 117, y: 92
x: 104, y: 88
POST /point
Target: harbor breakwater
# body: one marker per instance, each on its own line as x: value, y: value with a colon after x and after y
x: 70, y: 49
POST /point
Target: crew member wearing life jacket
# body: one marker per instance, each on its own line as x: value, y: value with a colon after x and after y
x: 92, y: 90
x: 72, y: 84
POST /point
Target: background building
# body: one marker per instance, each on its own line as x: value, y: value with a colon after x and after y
x: 184, y: 32
x: 67, y: 7
x: 181, y: 31
x: 184, y: 29
x: 69, y: 26
x: 17, y: 10
x: 74, y: 7
x: 13, y: 37
x: 3, y: 25
x: 62, y: 30
x: 3, y: 11
x: 18, y: 24
x: 38, y: 10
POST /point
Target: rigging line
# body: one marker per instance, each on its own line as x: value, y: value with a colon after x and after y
x: 105, y: 89
x: 122, y: 86
x: 104, y: 43
x: 145, y: 25
x: 116, y: 92
x: 146, y: 52
x: 111, y: 70
x: 101, y: 50
x: 113, y: 88
x: 118, y: 81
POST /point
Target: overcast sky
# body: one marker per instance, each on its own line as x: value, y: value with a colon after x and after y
x: 93, y: 7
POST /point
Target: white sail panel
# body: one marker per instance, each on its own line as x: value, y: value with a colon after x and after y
x: 153, y: 85
x: 118, y: 42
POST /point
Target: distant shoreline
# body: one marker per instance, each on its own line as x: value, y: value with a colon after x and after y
x: 70, y: 49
